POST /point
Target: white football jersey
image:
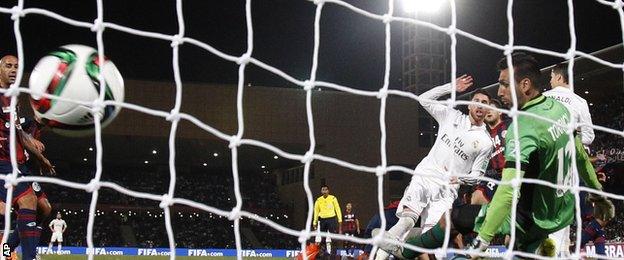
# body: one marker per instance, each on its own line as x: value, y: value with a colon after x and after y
x: 577, y: 107
x: 460, y: 147
x: 58, y: 225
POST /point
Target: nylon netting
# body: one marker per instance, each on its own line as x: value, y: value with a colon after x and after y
x: 174, y: 116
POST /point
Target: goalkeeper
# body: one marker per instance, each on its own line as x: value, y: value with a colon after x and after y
x: 545, y: 154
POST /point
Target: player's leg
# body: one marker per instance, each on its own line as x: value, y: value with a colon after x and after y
x: 331, y: 228
x: 27, y: 223
x: 434, y: 226
x: 13, y: 255
x: 324, y: 227
x: 60, y: 246
x: 26, y: 226
x: 60, y: 242
x: 375, y: 223
x: 435, y: 211
x: 415, y: 199
x: 483, y: 193
x: 562, y: 242
x: 407, y: 220
x: 530, y: 238
x: 43, y: 205
x: 12, y: 238
x: 349, y: 246
x: 463, y: 219
x: 318, y: 239
x: 52, y: 240
x: 43, y: 211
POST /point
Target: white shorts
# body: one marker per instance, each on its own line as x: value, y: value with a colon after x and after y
x: 427, y: 199
x: 562, y: 241
x: 57, y: 237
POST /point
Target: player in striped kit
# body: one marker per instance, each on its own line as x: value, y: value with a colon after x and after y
x: 350, y: 227
x: 57, y: 226
x: 498, y: 129
x: 23, y: 195
x: 460, y: 153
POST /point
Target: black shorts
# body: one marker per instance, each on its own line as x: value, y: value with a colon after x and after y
x: 38, y: 190
x: 36, y: 186
x: 328, y: 224
x: 488, y: 188
x: 21, y: 188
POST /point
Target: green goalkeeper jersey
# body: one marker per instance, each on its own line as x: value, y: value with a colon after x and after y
x: 545, y: 154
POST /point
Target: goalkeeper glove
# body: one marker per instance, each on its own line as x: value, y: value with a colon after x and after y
x: 603, y: 207
x: 477, y: 245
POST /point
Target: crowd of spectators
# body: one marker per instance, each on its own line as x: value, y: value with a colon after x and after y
x: 610, y: 114
x: 144, y: 219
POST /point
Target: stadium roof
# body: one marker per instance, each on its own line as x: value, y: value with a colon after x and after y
x: 592, y: 80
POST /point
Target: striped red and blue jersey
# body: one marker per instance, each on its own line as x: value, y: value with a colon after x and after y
x: 5, y: 154
x: 348, y: 222
x: 497, y: 158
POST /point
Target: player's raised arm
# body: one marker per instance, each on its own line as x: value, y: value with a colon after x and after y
x: 439, y: 111
x: 31, y: 145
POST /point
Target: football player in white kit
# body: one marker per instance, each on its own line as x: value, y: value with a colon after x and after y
x: 58, y: 227
x: 580, y: 113
x: 461, y: 152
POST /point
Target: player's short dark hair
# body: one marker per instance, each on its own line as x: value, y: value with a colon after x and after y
x: 482, y: 92
x: 561, y: 69
x: 525, y: 66
x: 496, y: 102
x: 324, y: 186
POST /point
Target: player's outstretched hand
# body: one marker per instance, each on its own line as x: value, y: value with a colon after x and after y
x: 464, y: 82
x: 603, y: 207
x: 46, y: 167
x: 477, y: 245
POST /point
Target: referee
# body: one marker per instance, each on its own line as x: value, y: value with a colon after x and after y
x: 326, y: 212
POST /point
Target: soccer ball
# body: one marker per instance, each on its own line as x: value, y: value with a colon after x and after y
x: 71, y: 72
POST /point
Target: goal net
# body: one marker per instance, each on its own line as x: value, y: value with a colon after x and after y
x: 306, y: 84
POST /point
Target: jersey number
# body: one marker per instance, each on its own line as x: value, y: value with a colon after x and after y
x: 561, y: 178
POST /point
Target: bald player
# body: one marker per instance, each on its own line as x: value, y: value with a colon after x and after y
x: 22, y: 195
